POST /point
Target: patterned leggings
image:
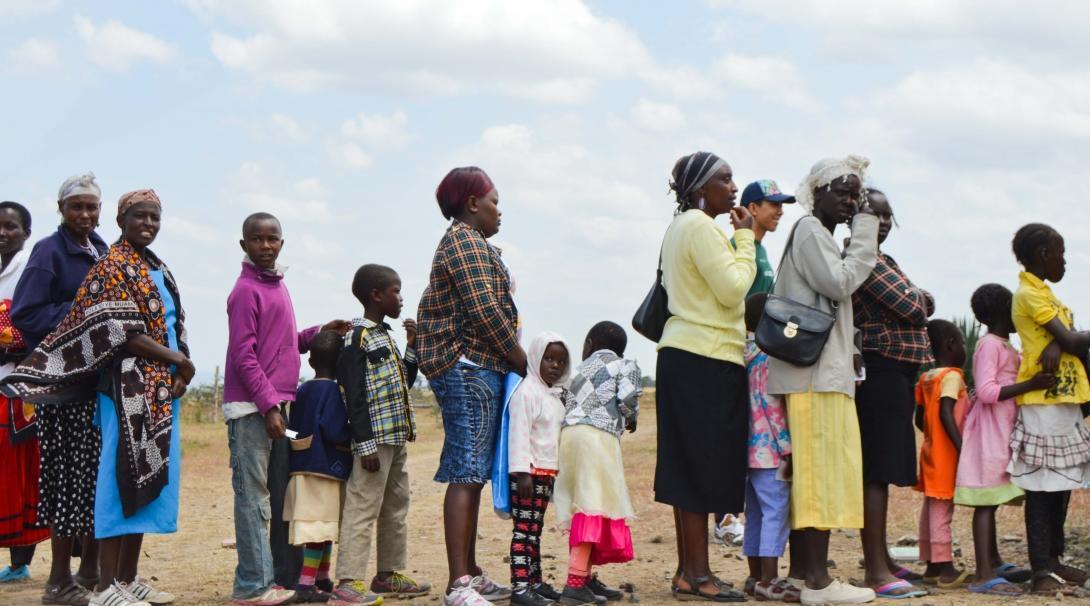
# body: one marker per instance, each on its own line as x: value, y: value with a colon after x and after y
x: 529, y: 518
x: 1046, y: 513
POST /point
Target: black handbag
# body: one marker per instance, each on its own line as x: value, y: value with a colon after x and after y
x: 650, y: 318
x: 792, y: 331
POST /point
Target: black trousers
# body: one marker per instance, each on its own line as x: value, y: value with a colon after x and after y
x: 1046, y: 513
x: 287, y: 558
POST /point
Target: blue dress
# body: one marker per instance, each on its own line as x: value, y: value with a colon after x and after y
x: 161, y: 515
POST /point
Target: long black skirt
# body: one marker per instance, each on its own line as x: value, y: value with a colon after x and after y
x: 703, y: 429
x: 885, y: 403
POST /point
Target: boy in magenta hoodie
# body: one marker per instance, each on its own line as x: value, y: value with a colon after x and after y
x: 261, y: 377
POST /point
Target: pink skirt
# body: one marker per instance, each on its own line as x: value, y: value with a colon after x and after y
x: 611, y: 539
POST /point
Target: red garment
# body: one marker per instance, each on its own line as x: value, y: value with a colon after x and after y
x: 938, y: 456
x: 19, y: 494
x: 611, y: 539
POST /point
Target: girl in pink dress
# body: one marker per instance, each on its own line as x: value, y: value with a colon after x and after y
x: 982, y: 481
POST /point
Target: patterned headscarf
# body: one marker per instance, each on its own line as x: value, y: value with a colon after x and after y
x: 78, y: 185
x: 692, y: 172
x: 824, y: 172
x: 133, y: 198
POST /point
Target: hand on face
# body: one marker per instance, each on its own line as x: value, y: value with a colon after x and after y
x: 740, y: 218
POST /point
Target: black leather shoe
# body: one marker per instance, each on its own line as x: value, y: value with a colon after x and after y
x: 580, y: 597
x: 599, y: 589
x: 547, y: 591
x: 529, y: 597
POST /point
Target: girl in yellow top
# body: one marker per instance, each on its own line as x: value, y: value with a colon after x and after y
x: 1050, y: 445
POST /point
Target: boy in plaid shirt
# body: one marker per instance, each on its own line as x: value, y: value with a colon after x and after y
x: 376, y: 380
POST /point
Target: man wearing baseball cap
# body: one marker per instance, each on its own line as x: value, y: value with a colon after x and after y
x: 765, y: 201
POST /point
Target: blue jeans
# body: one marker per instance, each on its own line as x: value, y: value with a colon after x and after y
x: 250, y: 447
x: 471, y: 399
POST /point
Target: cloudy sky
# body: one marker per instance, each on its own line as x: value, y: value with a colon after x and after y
x: 342, y: 116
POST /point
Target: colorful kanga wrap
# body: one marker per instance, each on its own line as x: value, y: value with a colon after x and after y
x: 117, y: 298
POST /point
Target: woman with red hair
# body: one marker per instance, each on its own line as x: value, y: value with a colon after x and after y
x: 467, y: 340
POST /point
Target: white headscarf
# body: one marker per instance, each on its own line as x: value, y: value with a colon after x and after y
x: 824, y: 172
x: 77, y: 185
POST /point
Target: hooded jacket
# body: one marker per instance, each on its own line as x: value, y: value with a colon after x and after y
x: 537, y: 412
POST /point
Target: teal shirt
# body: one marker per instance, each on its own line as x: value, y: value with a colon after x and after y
x: 766, y: 276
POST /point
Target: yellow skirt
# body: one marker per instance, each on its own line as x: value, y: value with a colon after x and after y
x: 312, y: 508
x: 826, y: 460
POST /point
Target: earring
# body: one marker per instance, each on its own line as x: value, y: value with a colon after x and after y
x: 700, y: 203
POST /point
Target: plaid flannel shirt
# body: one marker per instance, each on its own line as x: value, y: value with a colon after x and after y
x: 388, y: 401
x: 467, y: 309
x: 891, y: 313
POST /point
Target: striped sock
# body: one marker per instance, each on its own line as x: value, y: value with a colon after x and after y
x: 323, y: 568
x: 312, y: 558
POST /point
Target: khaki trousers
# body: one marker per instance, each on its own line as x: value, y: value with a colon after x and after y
x: 375, y: 496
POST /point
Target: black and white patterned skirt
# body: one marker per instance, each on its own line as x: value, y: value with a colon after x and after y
x: 70, y: 445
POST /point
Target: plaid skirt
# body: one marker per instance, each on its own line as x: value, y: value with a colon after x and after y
x: 1050, y: 448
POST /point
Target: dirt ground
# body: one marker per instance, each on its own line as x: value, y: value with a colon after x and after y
x: 194, y: 565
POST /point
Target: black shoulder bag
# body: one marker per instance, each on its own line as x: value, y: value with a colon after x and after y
x: 791, y: 331
x: 650, y: 318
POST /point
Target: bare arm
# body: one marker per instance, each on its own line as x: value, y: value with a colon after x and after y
x: 1071, y: 341
x: 946, y: 415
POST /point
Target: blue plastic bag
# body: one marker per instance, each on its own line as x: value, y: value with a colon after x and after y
x: 501, y: 486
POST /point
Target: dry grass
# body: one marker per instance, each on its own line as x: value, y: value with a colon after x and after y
x: 194, y: 565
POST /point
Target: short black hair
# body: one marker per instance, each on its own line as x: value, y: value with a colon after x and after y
x: 24, y: 214
x: 372, y: 277
x: 991, y: 301
x: 608, y: 335
x: 324, y: 350
x: 248, y: 223
x: 939, y: 331
x: 755, y: 306
x: 1030, y: 239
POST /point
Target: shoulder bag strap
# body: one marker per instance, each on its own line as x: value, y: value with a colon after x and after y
x: 788, y: 251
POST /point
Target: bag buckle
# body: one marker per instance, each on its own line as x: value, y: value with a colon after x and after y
x: 791, y: 330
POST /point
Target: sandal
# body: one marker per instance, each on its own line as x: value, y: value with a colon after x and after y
x: 910, y: 576
x: 1013, y: 573
x: 957, y: 583
x: 1060, y: 586
x: 997, y: 586
x: 694, y: 593
x: 68, y: 595
x: 1072, y: 575
x: 889, y: 590
x: 88, y: 583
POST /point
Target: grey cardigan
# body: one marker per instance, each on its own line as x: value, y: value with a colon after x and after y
x: 815, y: 265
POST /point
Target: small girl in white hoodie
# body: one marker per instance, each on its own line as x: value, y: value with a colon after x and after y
x: 537, y: 411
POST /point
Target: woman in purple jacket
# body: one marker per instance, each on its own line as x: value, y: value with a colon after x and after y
x: 69, y: 441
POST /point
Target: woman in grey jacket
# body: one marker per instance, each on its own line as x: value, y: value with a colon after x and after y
x: 827, y: 486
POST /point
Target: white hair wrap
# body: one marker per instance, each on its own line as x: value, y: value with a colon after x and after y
x: 824, y: 172
x: 78, y: 185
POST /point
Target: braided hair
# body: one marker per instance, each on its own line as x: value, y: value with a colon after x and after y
x: 1030, y: 239
x: 990, y: 302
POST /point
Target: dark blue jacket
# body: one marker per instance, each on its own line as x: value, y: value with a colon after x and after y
x: 53, y: 274
x: 322, y: 446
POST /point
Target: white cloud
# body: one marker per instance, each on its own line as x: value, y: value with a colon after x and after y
x: 35, y: 55
x: 351, y: 155
x: 660, y: 117
x: 19, y: 8
x: 774, y: 78
x: 378, y: 130
x: 552, y: 52
x: 115, y: 46
x: 304, y: 200
x: 288, y: 128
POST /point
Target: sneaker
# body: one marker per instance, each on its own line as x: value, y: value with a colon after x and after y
x: 10, y: 575
x: 730, y: 530
x: 67, y: 595
x: 353, y: 593
x: 547, y: 591
x: 837, y: 593
x: 325, y: 585
x: 399, y: 585
x: 117, y: 594
x: 142, y: 590
x: 273, y: 596
x: 599, y: 588
x: 462, y: 593
x: 489, y: 589
x: 580, y: 597
x: 310, y: 594
x: 528, y: 597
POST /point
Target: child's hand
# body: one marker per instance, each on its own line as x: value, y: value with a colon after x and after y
x: 787, y: 469
x: 410, y: 332
x: 370, y: 462
x: 274, y: 423
x: 1042, y: 380
x: 340, y: 327
x: 525, y: 486
x: 631, y: 426
x: 1050, y: 357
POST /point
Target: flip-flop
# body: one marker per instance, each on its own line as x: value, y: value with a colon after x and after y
x: 887, y: 590
x: 1064, y: 588
x: 995, y: 587
x: 957, y: 583
x: 908, y: 575
x: 1013, y: 573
